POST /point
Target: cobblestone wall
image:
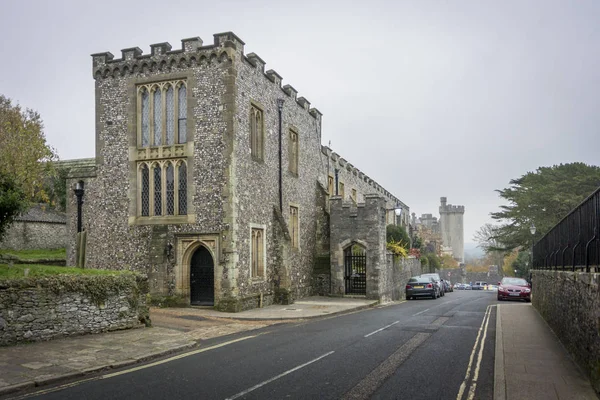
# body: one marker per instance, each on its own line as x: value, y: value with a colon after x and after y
x: 570, y: 304
x: 403, y: 269
x: 37, y: 309
x: 26, y: 235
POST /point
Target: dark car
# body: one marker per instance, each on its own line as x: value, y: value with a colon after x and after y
x: 514, y: 289
x: 422, y: 286
x: 438, y: 282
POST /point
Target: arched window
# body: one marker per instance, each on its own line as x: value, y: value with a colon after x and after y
x: 145, y: 195
x: 258, y: 263
x: 182, y: 194
x: 170, y: 187
x: 157, y: 190
x: 182, y: 120
x: 256, y: 133
x: 157, y: 117
x: 170, y: 104
x: 145, y: 118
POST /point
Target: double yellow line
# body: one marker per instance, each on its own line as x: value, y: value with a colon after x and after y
x: 479, y: 342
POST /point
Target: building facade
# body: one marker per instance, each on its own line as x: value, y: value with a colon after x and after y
x: 209, y: 176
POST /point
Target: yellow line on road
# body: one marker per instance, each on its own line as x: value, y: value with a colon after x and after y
x: 483, y: 326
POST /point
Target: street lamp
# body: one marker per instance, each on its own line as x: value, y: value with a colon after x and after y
x: 79, y: 193
x: 532, y: 230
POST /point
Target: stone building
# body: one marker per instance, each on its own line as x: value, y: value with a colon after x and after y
x: 452, y: 228
x: 209, y: 176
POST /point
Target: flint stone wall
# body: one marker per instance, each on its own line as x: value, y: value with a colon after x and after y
x: 570, y: 304
x: 28, y: 235
x: 37, y: 309
x: 401, y: 270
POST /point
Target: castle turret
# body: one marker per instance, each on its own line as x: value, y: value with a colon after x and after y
x: 452, y: 228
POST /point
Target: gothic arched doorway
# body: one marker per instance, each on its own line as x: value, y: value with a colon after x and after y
x: 202, y: 278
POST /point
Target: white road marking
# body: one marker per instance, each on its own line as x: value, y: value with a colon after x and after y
x: 463, y: 385
x: 420, y: 312
x: 191, y: 353
x: 379, y: 330
x: 240, y: 394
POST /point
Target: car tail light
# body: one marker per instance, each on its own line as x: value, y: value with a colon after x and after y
x: 408, y: 287
x: 429, y: 285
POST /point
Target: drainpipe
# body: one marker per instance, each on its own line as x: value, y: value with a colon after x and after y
x: 280, y: 109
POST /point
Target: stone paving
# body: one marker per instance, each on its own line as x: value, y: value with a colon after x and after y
x: 531, y: 363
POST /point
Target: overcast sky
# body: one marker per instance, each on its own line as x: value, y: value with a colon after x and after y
x: 429, y: 98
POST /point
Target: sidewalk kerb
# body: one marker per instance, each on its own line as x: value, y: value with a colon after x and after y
x: 16, y: 388
x: 499, y: 374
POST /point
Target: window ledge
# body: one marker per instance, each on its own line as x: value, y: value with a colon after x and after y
x: 163, y: 220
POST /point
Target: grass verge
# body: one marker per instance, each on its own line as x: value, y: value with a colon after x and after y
x: 18, y: 271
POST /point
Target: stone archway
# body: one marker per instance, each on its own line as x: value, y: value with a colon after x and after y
x: 186, y: 247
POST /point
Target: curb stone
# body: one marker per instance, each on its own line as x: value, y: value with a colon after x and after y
x: 77, y: 374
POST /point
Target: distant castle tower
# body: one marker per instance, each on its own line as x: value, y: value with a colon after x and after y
x: 451, y: 225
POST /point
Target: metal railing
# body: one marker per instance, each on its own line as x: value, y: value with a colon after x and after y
x: 574, y: 243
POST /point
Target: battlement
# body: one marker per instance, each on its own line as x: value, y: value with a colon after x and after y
x: 226, y: 47
x: 338, y: 161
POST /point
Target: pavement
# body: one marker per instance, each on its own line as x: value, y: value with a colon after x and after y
x: 530, y: 361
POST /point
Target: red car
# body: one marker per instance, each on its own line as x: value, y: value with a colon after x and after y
x: 514, y: 289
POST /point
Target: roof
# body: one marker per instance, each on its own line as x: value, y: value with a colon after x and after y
x: 43, y: 213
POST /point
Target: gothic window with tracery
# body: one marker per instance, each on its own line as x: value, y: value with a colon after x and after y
x: 162, y: 113
x: 166, y: 193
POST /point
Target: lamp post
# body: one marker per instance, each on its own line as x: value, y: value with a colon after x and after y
x: 79, y: 191
x: 532, y: 230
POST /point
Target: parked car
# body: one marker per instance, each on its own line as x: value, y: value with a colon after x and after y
x: 468, y: 287
x: 438, y: 282
x: 479, y: 285
x: 420, y: 286
x: 514, y: 289
x: 450, y: 286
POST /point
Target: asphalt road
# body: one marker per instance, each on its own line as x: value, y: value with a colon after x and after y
x: 420, y: 349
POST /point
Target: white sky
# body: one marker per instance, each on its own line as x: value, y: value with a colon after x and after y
x: 429, y: 98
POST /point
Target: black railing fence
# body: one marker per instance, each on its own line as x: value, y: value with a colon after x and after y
x: 574, y: 243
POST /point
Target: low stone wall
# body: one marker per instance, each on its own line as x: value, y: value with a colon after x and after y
x: 35, y: 309
x: 570, y: 304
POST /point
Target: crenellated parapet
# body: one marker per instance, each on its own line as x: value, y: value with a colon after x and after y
x: 226, y: 47
x: 338, y: 162
x: 163, y: 58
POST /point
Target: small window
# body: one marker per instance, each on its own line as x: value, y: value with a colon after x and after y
x: 354, y: 195
x: 256, y: 133
x: 293, y: 152
x: 330, y: 185
x: 294, y: 227
x: 257, y: 250
x: 341, y: 190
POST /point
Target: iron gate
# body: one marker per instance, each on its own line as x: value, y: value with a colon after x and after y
x: 355, y: 275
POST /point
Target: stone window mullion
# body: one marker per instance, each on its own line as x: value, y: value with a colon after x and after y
x: 176, y: 187
x: 151, y: 185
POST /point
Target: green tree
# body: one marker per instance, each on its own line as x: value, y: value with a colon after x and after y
x: 24, y: 154
x: 397, y: 233
x: 12, y: 202
x: 543, y: 198
x: 417, y: 242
